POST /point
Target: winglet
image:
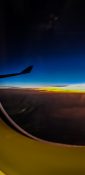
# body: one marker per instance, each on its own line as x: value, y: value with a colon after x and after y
x: 27, y: 70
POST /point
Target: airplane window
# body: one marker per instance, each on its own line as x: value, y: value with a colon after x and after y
x: 42, y: 69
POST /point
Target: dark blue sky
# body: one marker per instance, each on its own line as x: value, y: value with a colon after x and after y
x: 48, y: 69
x: 50, y: 36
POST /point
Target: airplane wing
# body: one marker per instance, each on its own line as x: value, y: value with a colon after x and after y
x: 25, y: 71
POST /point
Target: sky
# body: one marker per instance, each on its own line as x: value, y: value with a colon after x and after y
x: 46, y: 34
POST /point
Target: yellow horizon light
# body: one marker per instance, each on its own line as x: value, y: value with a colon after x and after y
x: 61, y: 89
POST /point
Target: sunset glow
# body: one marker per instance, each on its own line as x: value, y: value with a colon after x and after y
x: 65, y: 89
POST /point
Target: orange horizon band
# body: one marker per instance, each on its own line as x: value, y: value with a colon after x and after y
x: 59, y: 89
